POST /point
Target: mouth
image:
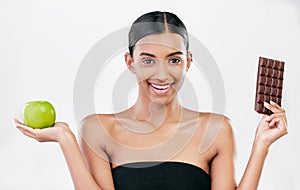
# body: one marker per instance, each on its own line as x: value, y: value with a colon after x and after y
x: 161, y: 88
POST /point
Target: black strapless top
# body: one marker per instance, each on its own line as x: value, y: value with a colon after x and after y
x: 160, y: 176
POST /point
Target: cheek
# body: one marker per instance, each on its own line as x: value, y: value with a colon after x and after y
x: 144, y: 73
x: 177, y: 72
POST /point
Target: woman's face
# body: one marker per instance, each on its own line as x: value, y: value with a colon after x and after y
x: 159, y: 62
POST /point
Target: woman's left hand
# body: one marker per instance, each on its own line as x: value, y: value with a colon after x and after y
x: 272, y: 127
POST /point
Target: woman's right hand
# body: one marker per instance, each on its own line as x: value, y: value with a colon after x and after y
x: 54, y: 133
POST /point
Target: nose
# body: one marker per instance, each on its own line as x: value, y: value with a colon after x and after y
x: 162, y: 71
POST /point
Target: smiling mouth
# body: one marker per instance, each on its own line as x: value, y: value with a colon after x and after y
x: 161, y: 88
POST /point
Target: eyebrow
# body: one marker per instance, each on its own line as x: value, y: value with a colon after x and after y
x: 169, y: 55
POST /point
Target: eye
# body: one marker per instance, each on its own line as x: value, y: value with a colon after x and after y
x: 175, y: 61
x: 148, y: 61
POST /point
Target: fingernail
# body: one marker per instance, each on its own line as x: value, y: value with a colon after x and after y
x: 268, y: 118
x: 266, y: 104
x: 272, y: 102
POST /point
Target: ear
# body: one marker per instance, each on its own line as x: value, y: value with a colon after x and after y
x: 189, y: 60
x: 129, y: 62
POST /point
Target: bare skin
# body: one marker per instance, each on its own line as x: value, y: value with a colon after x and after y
x: 158, y: 128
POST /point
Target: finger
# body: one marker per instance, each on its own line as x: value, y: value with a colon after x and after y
x: 24, y: 127
x: 26, y: 131
x: 277, y: 106
x: 263, y: 119
x: 282, y: 124
x: 272, y: 108
x: 278, y: 115
x: 279, y: 123
x: 273, y: 123
x: 18, y: 123
x: 270, y: 117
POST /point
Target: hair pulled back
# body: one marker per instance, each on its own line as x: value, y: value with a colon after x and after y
x: 156, y: 22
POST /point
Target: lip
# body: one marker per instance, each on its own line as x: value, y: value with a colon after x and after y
x: 161, y: 89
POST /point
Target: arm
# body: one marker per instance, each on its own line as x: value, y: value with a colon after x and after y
x: 254, y: 167
x: 93, y: 140
x: 268, y: 131
x: 81, y: 176
x: 61, y: 133
x: 222, y: 167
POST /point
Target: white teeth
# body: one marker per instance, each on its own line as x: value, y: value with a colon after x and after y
x: 160, y: 87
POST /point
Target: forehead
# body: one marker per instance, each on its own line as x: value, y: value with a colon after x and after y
x: 161, y: 42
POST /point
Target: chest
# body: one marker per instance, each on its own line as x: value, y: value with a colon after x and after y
x: 171, y: 142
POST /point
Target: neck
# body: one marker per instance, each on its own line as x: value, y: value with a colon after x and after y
x: 156, y: 112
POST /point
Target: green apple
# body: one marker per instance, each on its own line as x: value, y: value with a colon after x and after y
x: 39, y: 114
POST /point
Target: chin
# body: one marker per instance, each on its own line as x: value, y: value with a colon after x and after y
x: 164, y: 98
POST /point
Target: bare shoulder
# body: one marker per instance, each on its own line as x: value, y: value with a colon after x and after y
x: 222, y: 164
x: 216, y: 121
x: 94, y: 137
x: 226, y: 131
x: 97, y: 119
x: 95, y: 128
x: 217, y: 130
x: 220, y: 125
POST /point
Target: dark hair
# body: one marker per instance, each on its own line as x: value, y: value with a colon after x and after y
x: 155, y: 23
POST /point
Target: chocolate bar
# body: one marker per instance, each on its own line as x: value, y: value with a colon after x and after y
x: 269, y: 83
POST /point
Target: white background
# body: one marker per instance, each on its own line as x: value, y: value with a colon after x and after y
x: 42, y: 44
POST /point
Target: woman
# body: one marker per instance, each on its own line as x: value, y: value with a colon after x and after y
x: 157, y: 143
